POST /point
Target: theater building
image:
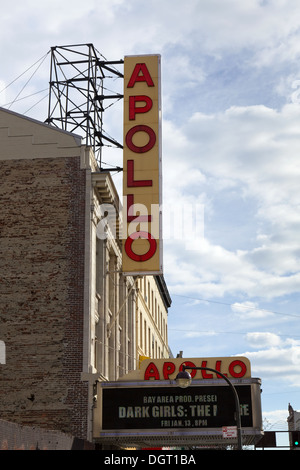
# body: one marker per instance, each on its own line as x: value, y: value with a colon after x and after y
x: 68, y: 315
x: 152, y: 317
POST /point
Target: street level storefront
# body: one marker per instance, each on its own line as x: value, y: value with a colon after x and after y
x: 148, y: 413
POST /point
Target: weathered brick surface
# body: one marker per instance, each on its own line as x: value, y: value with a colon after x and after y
x: 41, y: 293
x: 16, y: 437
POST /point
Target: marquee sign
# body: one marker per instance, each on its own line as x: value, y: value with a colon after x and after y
x: 165, y: 407
x: 159, y: 412
x: 167, y: 369
x: 141, y: 252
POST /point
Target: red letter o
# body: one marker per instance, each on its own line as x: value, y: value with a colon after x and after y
x: 145, y: 256
x: 232, y: 372
x: 144, y: 148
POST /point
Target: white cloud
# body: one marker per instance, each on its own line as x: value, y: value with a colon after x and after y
x: 198, y: 334
x: 257, y: 149
x: 263, y: 339
x: 213, y: 271
x: 278, y: 361
x: 118, y: 27
x: 253, y: 145
x: 248, y: 310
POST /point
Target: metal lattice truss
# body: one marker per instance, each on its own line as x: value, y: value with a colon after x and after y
x: 78, y: 96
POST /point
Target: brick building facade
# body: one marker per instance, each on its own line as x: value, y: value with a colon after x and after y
x: 42, y: 246
x: 68, y: 315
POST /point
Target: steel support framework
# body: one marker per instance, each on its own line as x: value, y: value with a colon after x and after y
x: 77, y: 94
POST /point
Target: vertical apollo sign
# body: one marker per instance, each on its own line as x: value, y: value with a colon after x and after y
x: 142, y: 250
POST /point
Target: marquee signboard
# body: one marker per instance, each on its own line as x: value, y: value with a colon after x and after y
x: 141, y: 252
x: 236, y: 367
x: 162, y: 410
x: 167, y: 408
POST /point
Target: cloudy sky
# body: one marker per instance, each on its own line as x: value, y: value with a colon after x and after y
x: 231, y: 156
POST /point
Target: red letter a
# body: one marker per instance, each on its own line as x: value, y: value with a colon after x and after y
x: 151, y: 372
x: 135, y: 77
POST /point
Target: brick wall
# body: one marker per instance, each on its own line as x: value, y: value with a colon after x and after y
x: 42, y: 205
x: 16, y: 437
